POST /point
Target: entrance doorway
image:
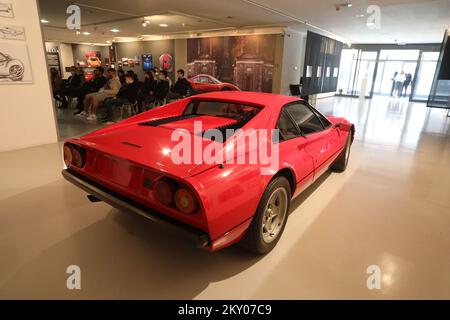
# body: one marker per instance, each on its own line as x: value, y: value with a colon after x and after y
x: 375, y: 69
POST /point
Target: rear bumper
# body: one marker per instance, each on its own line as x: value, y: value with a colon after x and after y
x: 200, y: 238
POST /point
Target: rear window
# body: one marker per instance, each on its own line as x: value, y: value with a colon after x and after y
x: 236, y: 111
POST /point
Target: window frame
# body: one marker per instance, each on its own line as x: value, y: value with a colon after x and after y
x: 313, y: 110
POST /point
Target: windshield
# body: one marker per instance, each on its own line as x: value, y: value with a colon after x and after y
x: 223, y: 109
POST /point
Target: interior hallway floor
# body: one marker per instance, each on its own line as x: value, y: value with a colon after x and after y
x: 391, y: 208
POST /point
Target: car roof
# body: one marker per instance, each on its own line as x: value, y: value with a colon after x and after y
x: 259, y: 98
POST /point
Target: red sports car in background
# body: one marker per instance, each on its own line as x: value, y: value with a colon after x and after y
x: 202, y: 83
x: 130, y: 165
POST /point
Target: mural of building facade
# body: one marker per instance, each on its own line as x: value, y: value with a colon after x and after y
x: 246, y: 61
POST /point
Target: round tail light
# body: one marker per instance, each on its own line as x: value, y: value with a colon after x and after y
x: 68, y: 156
x: 164, y: 190
x: 185, y: 201
x: 74, y: 156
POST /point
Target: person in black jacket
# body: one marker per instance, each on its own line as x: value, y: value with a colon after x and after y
x: 182, y: 88
x: 162, y: 88
x: 127, y: 93
x: 148, y: 89
x: 72, y: 85
x: 96, y: 83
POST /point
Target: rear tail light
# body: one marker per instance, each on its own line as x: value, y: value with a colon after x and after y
x: 164, y: 190
x: 185, y: 201
x: 175, y: 194
x: 74, y: 156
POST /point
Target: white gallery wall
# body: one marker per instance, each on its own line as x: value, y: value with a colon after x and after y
x: 26, y: 107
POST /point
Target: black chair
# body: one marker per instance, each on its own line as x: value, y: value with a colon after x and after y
x: 294, y: 89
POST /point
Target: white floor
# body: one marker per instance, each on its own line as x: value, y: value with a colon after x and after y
x: 391, y: 208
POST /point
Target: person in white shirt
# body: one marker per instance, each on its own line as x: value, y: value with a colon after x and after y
x: 399, y: 79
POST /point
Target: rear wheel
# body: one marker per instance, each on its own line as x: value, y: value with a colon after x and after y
x: 270, y: 219
x: 16, y: 72
x: 341, y: 162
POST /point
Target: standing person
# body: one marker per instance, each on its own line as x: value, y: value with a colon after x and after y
x: 408, y: 78
x: 181, y: 88
x: 109, y: 90
x: 162, y: 88
x: 393, y: 83
x: 97, y: 82
x: 127, y: 93
x: 148, y: 88
x: 399, y: 80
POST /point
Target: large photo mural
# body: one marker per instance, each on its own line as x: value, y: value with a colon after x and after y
x: 245, y: 61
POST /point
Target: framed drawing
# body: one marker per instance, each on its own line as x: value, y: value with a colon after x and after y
x: 6, y: 10
x: 15, y: 66
x: 11, y: 32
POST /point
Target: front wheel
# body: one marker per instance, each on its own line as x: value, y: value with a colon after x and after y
x: 270, y: 219
x: 341, y: 162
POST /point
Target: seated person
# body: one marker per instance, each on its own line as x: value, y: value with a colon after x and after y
x: 56, y: 81
x: 109, y: 90
x: 182, y: 88
x: 148, y: 88
x: 162, y: 88
x: 126, y: 94
x: 71, y: 86
x: 97, y: 82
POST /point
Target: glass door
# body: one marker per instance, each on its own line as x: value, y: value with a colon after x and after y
x: 392, y: 62
x: 424, y: 76
x: 357, y: 71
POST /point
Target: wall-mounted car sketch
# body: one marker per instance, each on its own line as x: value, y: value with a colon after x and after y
x: 15, y: 67
x: 6, y: 10
x: 11, y: 32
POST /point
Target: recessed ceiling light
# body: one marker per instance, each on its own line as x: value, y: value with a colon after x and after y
x: 163, y: 25
x: 78, y: 32
x: 44, y: 21
x: 360, y: 16
x: 346, y: 5
x: 86, y: 33
x: 107, y: 41
x: 115, y: 30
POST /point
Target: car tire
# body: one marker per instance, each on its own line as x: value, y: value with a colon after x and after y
x: 16, y: 72
x: 341, y: 162
x: 260, y: 238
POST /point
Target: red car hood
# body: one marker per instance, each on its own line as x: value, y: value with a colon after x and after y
x: 151, y: 146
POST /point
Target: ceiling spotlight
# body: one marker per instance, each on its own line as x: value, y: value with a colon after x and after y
x: 145, y: 23
x: 360, y: 16
x: 86, y: 33
x: 370, y: 24
x: 163, y: 25
x: 107, y: 41
x: 346, y: 5
x: 44, y: 21
x: 78, y: 32
x: 115, y: 30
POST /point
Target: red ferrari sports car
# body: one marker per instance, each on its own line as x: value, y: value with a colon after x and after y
x: 135, y: 164
x: 202, y: 83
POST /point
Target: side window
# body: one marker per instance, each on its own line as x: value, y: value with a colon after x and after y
x: 326, y: 123
x: 305, y: 119
x: 287, y: 127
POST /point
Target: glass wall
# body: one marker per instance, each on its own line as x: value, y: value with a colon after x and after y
x: 425, y: 74
x: 377, y: 68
